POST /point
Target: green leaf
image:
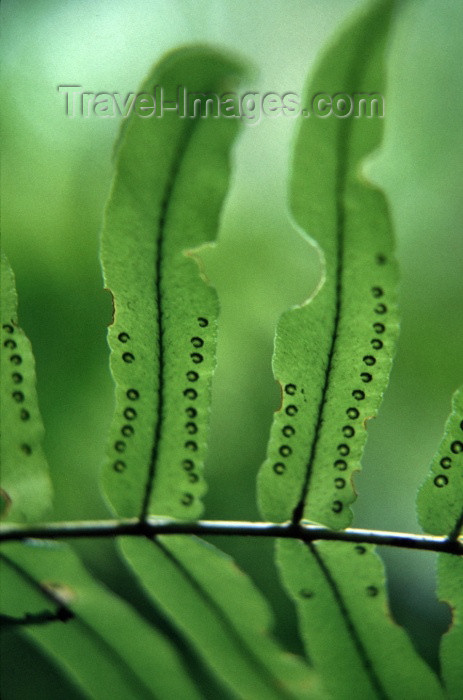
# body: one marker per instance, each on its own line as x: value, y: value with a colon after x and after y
x: 172, y: 175
x: 440, y: 498
x: 222, y: 614
x: 440, y: 511
x: 332, y: 358
x: 333, y: 354
x: 25, y: 484
x: 450, y: 590
x: 105, y: 646
x: 346, y: 626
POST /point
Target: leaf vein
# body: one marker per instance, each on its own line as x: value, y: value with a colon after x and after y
x: 165, y: 204
x: 353, y: 632
x: 340, y: 181
x: 267, y: 678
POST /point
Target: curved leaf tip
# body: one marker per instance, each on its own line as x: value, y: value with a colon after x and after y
x: 171, y: 180
x: 333, y: 355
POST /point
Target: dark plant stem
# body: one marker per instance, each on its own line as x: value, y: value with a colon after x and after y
x: 163, y: 526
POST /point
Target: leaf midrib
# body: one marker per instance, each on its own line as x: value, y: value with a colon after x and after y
x: 268, y: 679
x: 164, y: 212
x: 356, y: 72
x: 349, y: 623
x: 342, y: 146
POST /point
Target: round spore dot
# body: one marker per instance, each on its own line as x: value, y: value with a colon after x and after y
x: 130, y: 413
x: 290, y: 389
x: 196, y: 357
x: 203, y: 322
x: 376, y: 343
x: 187, y: 499
x: 16, y: 359
x: 192, y: 376
x: 285, y: 450
x: 336, y: 506
x: 191, y: 412
x: 123, y: 337
x: 369, y: 360
x: 119, y: 446
x: 190, y: 394
x: 128, y: 357
x: 358, y: 394
x: 188, y: 465
x: 366, y: 377
x: 197, y: 342
x: 127, y: 430
x: 119, y: 466
x: 8, y: 328
x: 456, y: 447
x: 133, y: 394
x: 379, y: 327
x: 288, y: 430
x: 377, y: 292
x: 279, y: 468
x: 340, y: 464
x: 441, y: 480
x: 343, y: 449
x: 360, y: 549
x: 372, y: 591
x: 24, y: 415
x: 446, y: 462
x: 26, y: 449
x: 18, y: 396
x: 9, y: 343
x: 340, y: 483
x: 193, y: 478
x: 353, y: 413
x: 348, y: 431
x: 191, y: 428
x: 291, y: 410
x: 17, y: 378
x: 191, y: 445
x: 380, y: 309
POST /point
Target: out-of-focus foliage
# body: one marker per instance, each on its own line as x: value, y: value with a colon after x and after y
x: 88, y: 635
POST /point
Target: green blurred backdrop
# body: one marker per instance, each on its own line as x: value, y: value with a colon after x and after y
x: 56, y: 176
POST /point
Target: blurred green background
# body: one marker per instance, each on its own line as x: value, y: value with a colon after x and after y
x: 56, y: 176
